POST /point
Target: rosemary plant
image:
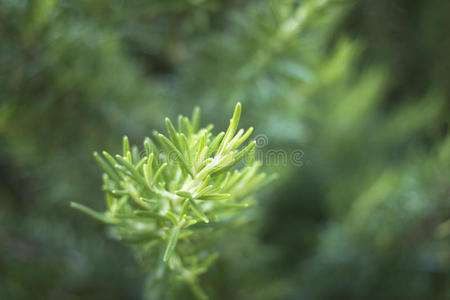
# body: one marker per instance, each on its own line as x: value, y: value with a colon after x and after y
x: 172, y: 203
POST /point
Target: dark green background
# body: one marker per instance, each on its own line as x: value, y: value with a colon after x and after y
x: 361, y: 88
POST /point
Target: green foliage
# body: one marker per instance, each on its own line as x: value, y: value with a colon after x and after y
x: 360, y: 87
x: 160, y: 200
x: 382, y: 190
x: 59, y: 97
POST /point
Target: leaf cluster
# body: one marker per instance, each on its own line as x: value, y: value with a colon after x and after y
x: 190, y: 177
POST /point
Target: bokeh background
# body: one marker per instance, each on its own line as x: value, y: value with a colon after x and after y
x: 361, y: 88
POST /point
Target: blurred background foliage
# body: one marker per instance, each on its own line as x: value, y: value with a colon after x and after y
x: 360, y: 87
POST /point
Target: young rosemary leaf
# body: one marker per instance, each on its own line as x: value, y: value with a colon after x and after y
x: 183, y: 194
x: 173, y: 134
x: 214, y: 197
x: 148, y: 170
x: 133, y: 172
x: 158, y: 173
x: 98, y: 216
x: 125, y: 145
x: 107, y: 168
x: 196, y: 119
x: 213, y: 145
x: 198, y: 211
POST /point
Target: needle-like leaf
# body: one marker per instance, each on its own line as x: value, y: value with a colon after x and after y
x: 98, y: 216
x: 173, y: 239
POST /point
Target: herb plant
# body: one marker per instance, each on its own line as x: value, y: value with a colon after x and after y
x: 173, y: 203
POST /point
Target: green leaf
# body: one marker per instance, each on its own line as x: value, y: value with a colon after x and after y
x: 213, y: 145
x: 125, y: 145
x: 183, y: 209
x: 119, y: 192
x: 234, y: 122
x: 173, y: 239
x: 189, y: 223
x: 96, y: 215
x: 111, y: 201
x: 141, y: 163
x: 107, y: 168
x: 172, y: 217
x: 183, y: 194
x: 128, y: 157
x: 132, y: 170
x: 186, y: 149
x: 214, y: 197
x: 196, y: 119
x: 236, y: 158
x: 201, y: 142
x: 173, y: 150
x: 148, y: 170
x: 150, y: 147
x: 251, y: 157
x: 135, y: 155
x: 203, y: 190
x: 241, y: 154
x: 204, y: 183
x: 188, y: 126
x: 158, y: 173
x: 181, y: 128
x: 196, y: 209
x: 173, y: 134
x: 150, y: 201
x: 236, y: 117
x: 243, y: 138
x: 113, y: 162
